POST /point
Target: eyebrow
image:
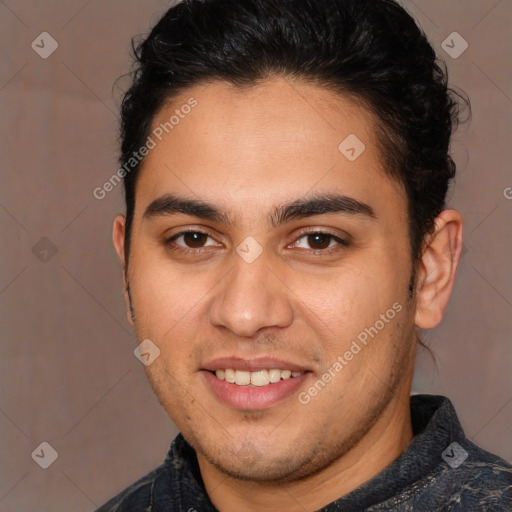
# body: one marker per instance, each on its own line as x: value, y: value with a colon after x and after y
x: 172, y: 205
x: 320, y: 205
x: 298, y: 209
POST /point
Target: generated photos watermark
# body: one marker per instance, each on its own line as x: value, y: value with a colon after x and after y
x: 357, y: 345
x: 152, y: 141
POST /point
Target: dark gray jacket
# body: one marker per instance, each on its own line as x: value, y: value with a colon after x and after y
x: 441, y: 470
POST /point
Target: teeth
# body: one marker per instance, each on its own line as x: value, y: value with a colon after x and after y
x: 242, y: 378
x: 259, y: 378
x: 274, y: 376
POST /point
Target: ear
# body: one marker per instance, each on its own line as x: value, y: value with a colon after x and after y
x: 118, y: 233
x: 437, y: 268
x: 118, y: 237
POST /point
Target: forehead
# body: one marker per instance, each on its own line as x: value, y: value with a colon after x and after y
x: 272, y: 143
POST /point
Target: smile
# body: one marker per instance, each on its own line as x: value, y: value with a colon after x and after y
x: 258, y: 378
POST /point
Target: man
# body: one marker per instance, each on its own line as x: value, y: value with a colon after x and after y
x: 286, y: 166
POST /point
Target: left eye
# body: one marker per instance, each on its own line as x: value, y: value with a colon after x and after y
x: 318, y: 241
x: 193, y: 240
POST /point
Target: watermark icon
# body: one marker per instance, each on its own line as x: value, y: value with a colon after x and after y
x: 508, y: 193
x: 454, y: 455
x: 454, y: 45
x: 45, y: 455
x: 156, y: 136
x: 342, y: 360
x: 44, y: 45
x: 44, y: 250
x: 249, y: 250
x: 146, y: 352
x: 352, y: 147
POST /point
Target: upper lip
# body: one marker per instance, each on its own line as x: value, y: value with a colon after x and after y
x: 252, y: 365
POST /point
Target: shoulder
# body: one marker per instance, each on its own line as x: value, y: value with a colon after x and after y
x: 485, y: 479
x: 459, y: 475
x: 136, y: 497
x: 165, y: 487
x: 473, y: 480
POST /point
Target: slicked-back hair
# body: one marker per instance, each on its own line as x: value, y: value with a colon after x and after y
x: 369, y: 50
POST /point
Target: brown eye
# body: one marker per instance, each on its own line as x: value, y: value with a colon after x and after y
x: 319, y: 240
x: 191, y: 240
x: 195, y: 240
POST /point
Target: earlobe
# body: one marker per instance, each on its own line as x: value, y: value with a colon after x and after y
x: 437, y: 268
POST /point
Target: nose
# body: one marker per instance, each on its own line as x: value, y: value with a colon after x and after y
x: 251, y: 298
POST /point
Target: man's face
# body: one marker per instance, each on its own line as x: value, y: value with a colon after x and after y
x: 272, y: 276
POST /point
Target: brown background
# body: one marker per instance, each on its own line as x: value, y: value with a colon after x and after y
x: 67, y: 370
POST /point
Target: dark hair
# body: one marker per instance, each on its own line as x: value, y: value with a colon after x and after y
x: 371, y: 50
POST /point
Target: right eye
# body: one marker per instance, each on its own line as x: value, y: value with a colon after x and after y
x: 191, y: 241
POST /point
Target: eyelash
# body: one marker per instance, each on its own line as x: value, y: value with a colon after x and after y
x: 176, y: 248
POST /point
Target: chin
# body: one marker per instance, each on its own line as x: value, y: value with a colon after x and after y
x: 257, y: 461
x: 268, y: 471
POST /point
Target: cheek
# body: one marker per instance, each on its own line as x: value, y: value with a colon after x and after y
x: 360, y: 320
x: 349, y: 300
x: 166, y: 298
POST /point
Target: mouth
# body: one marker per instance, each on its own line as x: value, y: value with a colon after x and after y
x: 253, y: 385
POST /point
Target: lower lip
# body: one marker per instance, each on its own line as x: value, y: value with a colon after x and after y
x: 253, y: 398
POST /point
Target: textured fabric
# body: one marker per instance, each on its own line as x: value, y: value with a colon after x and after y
x: 432, y: 474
